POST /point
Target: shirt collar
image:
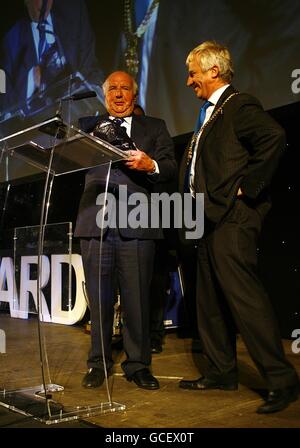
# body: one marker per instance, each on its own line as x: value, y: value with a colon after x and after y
x: 214, y: 98
x: 127, y: 120
x: 49, y: 23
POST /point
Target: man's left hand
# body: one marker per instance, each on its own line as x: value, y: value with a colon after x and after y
x: 139, y: 160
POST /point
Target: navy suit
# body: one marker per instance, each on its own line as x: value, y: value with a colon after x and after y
x: 150, y: 135
x: 127, y: 253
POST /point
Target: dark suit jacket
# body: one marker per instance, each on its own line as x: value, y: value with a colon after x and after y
x: 241, y: 147
x: 71, y: 25
x: 151, y: 136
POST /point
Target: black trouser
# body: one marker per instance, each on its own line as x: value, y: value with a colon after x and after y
x: 227, y: 279
x: 126, y: 263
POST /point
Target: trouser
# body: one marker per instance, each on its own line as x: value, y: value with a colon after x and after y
x: 126, y: 263
x: 228, y: 284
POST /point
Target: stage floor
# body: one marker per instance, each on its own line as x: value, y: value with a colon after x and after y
x: 168, y: 407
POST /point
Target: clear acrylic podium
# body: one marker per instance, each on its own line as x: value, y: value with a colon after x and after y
x: 51, y: 148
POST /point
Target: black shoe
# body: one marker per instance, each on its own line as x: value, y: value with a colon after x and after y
x: 279, y: 399
x: 93, y: 378
x: 144, y: 379
x: 203, y: 383
x: 156, y: 347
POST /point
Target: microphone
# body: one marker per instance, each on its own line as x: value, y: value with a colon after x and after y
x: 80, y: 95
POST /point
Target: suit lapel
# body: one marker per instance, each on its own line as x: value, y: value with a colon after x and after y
x: 227, y: 92
x: 210, y: 125
x: 138, y: 130
x: 31, y: 57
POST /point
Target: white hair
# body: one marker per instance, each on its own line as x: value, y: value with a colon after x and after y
x: 210, y: 54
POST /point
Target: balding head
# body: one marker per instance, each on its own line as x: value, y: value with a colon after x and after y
x: 120, y: 91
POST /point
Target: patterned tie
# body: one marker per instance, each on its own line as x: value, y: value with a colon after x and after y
x: 199, y: 124
x: 118, y: 121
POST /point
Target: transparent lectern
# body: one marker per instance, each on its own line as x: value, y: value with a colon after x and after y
x: 54, y: 148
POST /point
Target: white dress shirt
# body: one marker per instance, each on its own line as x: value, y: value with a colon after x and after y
x: 126, y: 124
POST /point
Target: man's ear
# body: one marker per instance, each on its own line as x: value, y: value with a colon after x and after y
x: 215, y: 71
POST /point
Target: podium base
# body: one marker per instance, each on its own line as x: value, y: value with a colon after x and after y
x: 33, y: 402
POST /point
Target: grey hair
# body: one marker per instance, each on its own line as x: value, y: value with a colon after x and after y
x: 135, y: 86
x: 210, y: 54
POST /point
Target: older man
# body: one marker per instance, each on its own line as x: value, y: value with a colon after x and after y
x: 127, y: 252
x: 232, y: 157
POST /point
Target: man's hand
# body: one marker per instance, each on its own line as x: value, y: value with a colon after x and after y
x: 140, y: 161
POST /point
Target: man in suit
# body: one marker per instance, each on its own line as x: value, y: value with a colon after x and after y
x: 53, y: 41
x: 232, y: 158
x: 128, y: 251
